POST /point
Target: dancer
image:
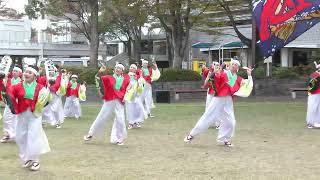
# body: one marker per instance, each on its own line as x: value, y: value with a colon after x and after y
x: 9, y: 119
x: 53, y: 112
x: 313, y: 110
x: 113, y: 89
x: 134, y: 107
x: 227, y: 83
x: 149, y: 75
x: 210, y: 84
x: 75, y: 93
x: 29, y: 98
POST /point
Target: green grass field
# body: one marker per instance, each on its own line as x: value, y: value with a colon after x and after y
x: 271, y: 142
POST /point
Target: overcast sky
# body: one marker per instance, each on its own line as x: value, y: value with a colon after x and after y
x: 16, y: 4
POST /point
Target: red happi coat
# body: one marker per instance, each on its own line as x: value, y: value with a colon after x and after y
x: 205, y: 75
x: 147, y: 78
x: 21, y: 104
x: 109, y: 92
x: 55, y: 87
x: 317, y: 91
x: 42, y: 80
x: 7, y: 86
x: 223, y: 88
x: 72, y: 92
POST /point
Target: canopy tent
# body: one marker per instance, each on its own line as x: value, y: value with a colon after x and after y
x: 202, y: 45
x: 234, y: 44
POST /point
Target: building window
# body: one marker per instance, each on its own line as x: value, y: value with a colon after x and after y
x: 159, y: 48
x: 300, y: 58
x: 146, y: 47
x: 112, y: 49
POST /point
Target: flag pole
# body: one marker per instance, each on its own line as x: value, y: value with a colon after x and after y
x: 253, y: 50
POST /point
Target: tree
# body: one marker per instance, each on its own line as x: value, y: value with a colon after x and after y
x: 177, y: 18
x: 83, y: 14
x: 125, y: 19
x: 225, y: 5
x: 9, y: 13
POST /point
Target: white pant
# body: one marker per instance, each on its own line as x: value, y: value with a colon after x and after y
x: 53, y: 112
x: 72, y: 107
x: 146, y: 98
x: 219, y: 108
x: 313, y: 112
x: 9, y: 122
x: 119, y: 132
x: 210, y: 97
x: 135, y: 111
x: 30, y: 137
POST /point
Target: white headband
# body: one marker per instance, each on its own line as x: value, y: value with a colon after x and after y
x: 32, y: 70
x: 74, y: 76
x: 236, y: 62
x: 144, y: 61
x: 134, y: 66
x: 215, y: 63
x: 120, y: 66
x: 17, y: 69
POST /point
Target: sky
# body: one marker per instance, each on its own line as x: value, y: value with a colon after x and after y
x: 16, y: 4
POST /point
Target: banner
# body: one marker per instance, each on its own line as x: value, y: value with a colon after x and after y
x: 281, y: 21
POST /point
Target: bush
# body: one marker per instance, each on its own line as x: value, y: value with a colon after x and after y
x: 258, y: 72
x: 85, y: 73
x: 173, y: 75
x: 283, y: 72
x: 303, y: 70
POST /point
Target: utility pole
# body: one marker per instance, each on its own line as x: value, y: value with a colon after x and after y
x: 253, y: 50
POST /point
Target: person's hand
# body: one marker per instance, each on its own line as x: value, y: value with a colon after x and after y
x: 155, y: 65
x: 102, y: 69
x: 249, y: 70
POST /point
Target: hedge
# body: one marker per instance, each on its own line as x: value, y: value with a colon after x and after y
x: 174, y: 75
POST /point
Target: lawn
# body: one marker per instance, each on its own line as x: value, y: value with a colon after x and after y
x: 271, y: 142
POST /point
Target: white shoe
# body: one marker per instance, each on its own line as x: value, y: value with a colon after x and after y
x: 87, y: 138
x: 35, y: 166
x: 27, y: 164
x: 188, y: 138
x: 58, y: 126
x: 309, y: 126
x: 228, y: 144
x: 5, y: 139
x: 151, y: 116
x: 120, y: 143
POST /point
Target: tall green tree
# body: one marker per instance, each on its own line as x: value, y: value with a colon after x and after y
x: 125, y: 19
x: 83, y: 14
x: 177, y: 18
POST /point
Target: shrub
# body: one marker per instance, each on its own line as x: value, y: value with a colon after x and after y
x: 283, y: 72
x: 173, y: 75
x: 304, y: 71
x: 85, y: 73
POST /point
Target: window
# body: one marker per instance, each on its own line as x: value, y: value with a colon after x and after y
x: 159, y: 47
x: 146, y: 47
x: 112, y: 49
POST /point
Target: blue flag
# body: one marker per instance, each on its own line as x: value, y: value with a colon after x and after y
x: 281, y: 21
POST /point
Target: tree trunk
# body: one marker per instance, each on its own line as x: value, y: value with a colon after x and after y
x: 177, y: 41
x: 94, y: 42
x: 169, y: 49
x: 137, y: 44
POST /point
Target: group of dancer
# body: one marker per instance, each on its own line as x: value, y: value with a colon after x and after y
x: 133, y: 91
x: 33, y: 98
x: 222, y: 84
